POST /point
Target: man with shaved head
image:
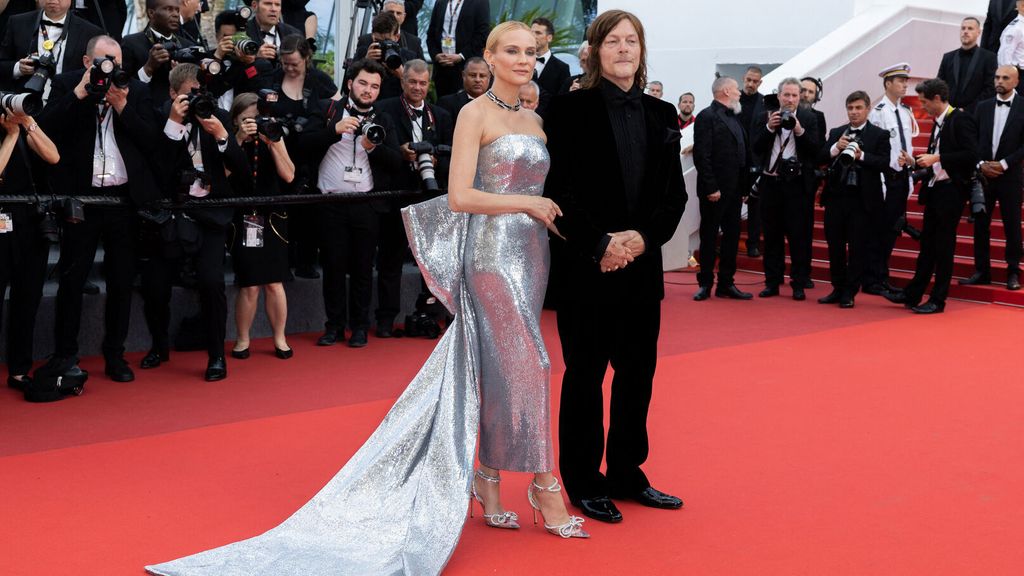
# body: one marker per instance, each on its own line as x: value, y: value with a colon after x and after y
x: 968, y: 70
x: 1001, y: 150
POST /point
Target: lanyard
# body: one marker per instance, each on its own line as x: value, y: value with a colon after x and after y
x: 453, y: 8
x: 102, y: 117
x: 782, y: 149
x: 412, y: 115
x: 59, y: 42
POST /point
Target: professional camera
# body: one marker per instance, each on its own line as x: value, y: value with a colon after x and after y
x: 105, y: 72
x: 390, y: 53
x: 789, y: 169
x: 46, y: 66
x: 246, y: 45
x: 193, y: 54
x: 210, y: 67
x: 201, y: 104
x: 29, y: 103
x: 372, y: 131
x: 425, y: 162
x: 922, y: 175
x: 240, y: 16
x: 787, y: 120
x: 71, y: 210
x: 849, y: 154
x: 276, y: 128
x: 425, y: 321
x: 977, y: 195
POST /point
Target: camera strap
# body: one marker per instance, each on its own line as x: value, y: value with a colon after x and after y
x: 782, y: 148
x: 102, y: 117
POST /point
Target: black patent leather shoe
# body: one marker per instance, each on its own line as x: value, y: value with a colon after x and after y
x: 846, y: 302
x: 599, y: 508
x: 216, y: 369
x: 240, y: 354
x: 976, y: 279
x: 654, y: 498
x: 13, y: 382
x: 768, y: 292
x: 154, y: 358
x: 731, y: 291
x: 874, y: 289
x: 358, y: 339
x: 1012, y: 281
x: 929, y: 307
x: 798, y: 294
x: 895, y: 296
x: 703, y: 293
x: 283, y: 354
x: 118, y: 370
x: 832, y: 298
x: 330, y: 338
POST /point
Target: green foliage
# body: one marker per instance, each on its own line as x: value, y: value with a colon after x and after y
x: 324, y: 62
x: 564, y: 36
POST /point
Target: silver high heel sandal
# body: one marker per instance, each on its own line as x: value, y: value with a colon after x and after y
x: 507, y: 519
x: 571, y: 529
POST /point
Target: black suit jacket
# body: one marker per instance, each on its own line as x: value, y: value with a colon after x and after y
x: 407, y: 178
x: 453, y: 103
x: 819, y: 119
x: 550, y: 81
x: 470, y: 32
x: 110, y: 16
x: 1011, y: 143
x: 412, y: 11
x: 586, y: 181
x: 134, y: 55
x: 807, y: 144
x: 71, y: 123
x: 1000, y: 14
x: 21, y: 39
x: 875, y: 148
x: 720, y: 151
x: 252, y: 30
x: 958, y: 147
x: 408, y: 42
x: 977, y: 85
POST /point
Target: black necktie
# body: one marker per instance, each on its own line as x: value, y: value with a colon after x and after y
x: 54, y: 24
x: 1003, y: 103
x: 540, y: 59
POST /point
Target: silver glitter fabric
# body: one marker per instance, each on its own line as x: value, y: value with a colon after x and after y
x: 398, y: 506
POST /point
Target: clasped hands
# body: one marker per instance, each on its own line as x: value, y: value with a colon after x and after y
x: 623, y: 248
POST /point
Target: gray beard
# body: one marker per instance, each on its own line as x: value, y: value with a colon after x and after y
x: 736, y: 107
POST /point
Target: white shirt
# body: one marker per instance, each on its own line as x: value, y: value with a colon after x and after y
x: 177, y: 131
x: 999, y: 123
x: 417, y: 123
x: 450, y: 22
x: 339, y: 160
x: 787, y: 136
x: 940, y: 173
x: 160, y: 38
x: 834, y: 151
x: 884, y: 116
x: 54, y: 33
x: 539, y: 68
x: 1011, y: 44
x: 108, y: 167
x: 272, y: 37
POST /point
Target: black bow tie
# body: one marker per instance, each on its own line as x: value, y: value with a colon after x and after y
x: 854, y: 132
x: 540, y: 59
x: 417, y: 113
x: 631, y: 98
x: 54, y: 24
x: 1003, y: 102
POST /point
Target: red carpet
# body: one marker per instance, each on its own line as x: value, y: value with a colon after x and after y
x: 805, y: 440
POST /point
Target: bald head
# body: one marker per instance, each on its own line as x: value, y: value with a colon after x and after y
x: 1007, y: 78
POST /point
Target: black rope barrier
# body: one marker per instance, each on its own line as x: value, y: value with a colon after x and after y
x: 235, y: 201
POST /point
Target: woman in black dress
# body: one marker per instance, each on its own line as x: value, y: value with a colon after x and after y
x: 259, y: 246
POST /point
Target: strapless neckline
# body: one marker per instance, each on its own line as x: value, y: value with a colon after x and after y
x: 512, y: 134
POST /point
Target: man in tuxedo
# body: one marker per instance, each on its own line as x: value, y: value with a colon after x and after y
x: 414, y: 120
x: 968, y: 70
x: 242, y: 72
x: 105, y: 139
x: 951, y: 160
x: 458, y: 31
x: 203, y: 151
x: 191, y: 23
x: 145, y: 53
x: 752, y: 103
x: 622, y: 196
x: 266, y: 27
x: 1000, y: 14
x: 721, y: 156
x: 51, y: 31
x: 407, y: 40
x: 858, y: 153
x: 1001, y: 150
x: 550, y: 72
x: 385, y: 28
x: 476, y: 79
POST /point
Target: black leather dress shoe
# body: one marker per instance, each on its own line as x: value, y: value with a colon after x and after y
x: 283, y: 354
x: 703, y: 293
x: 754, y: 252
x: 240, y: 354
x: 832, y: 298
x: 13, y: 382
x: 654, y: 498
x: 895, y: 296
x: 798, y: 293
x: 768, y: 292
x: 929, y: 307
x: 330, y: 338
x: 976, y: 279
x: 385, y: 331
x: 599, y: 508
x: 874, y: 289
x: 808, y: 284
x: 216, y: 369
x: 118, y: 370
x: 731, y: 291
x: 846, y: 302
x: 358, y: 339
x: 154, y: 358
x: 1012, y: 281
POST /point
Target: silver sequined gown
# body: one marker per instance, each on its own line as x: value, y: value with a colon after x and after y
x: 398, y: 506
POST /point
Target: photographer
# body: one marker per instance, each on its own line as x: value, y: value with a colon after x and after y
x: 105, y: 134
x: 53, y: 36
x: 857, y: 154
x: 23, y: 248
x: 242, y: 70
x: 359, y: 152
x: 197, y: 155
x: 415, y: 121
x: 385, y: 50
x: 784, y: 141
x: 409, y: 43
x: 266, y: 27
x: 149, y: 54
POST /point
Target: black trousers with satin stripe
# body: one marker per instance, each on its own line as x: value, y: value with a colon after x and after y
x: 1009, y: 198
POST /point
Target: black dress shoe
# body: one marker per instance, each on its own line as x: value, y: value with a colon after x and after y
x: 216, y: 369
x: 118, y: 371
x: 798, y: 293
x: 754, y: 252
x: 240, y: 354
x: 846, y: 302
x: 283, y: 354
x: 599, y: 508
x: 731, y: 291
x: 13, y: 382
x: 1012, y: 281
x: 307, y: 272
x: 654, y: 498
x: 808, y: 284
x: 976, y: 279
x: 385, y: 331
x: 154, y: 358
x: 833, y: 298
x: 874, y: 289
x: 358, y: 339
x: 330, y: 338
x: 929, y: 307
x: 768, y: 292
x: 90, y: 288
x: 895, y: 296
x: 703, y: 293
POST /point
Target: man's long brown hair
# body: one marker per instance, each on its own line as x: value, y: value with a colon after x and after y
x: 598, y: 31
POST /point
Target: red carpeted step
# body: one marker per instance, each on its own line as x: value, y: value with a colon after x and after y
x: 964, y: 245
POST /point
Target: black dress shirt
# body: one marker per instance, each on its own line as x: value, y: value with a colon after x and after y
x: 626, y: 112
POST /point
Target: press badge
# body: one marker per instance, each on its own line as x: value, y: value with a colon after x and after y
x: 99, y: 166
x: 253, y: 237
x: 353, y: 174
x: 6, y: 223
x: 448, y: 44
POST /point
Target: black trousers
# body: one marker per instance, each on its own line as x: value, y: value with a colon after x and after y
x: 846, y: 225
x: 23, y: 256
x: 724, y: 214
x: 303, y: 236
x: 592, y: 337
x: 784, y: 214
x: 158, y: 275
x: 115, y: 225
x: 1009, y: 198
x: 942, y: 210
x: 882, y: 233
x: 349, y: 237
x: 392, y: 245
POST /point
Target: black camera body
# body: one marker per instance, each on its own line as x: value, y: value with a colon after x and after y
x: 977, y: 194
x: 51, y: 212
x: 789, y: 169
x: 390, y: 53
x: 105, y: 72
x: 425, y: 151
x: 369, y: 129
x: 276, y: 128
x: 787, y: 120
x: 201, y: 104
x: 849, y: 154
x: 45, y: 67
x: 192, y: 54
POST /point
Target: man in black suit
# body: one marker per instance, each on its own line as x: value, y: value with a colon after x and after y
x: 458, y: 31
x: 1000, y: 14
x: 752, y: 103
x: 787, y: 152
x: 107, y: 15
x: 721, y: 156
x: 616, y: 175
x: 145, y: 53
x: 1001, y: 149
x: 951, y: 160
x: 810, y: 94
x: 192, y: 24
x: 550, y: 73
x: 476, y: 79
x: 412, y: 12
x: 50, y: 30
x: 968, y: 70
x: 858, y: 153
x: 415, y: 121
x: 105, y: 138
x: 385, y: 28
x: 206, y: 150
x: 242, y: 72
x: 266, y: 27
x: 407, y: 40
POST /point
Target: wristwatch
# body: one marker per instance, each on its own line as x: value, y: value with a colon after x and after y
x: 222, y: 142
